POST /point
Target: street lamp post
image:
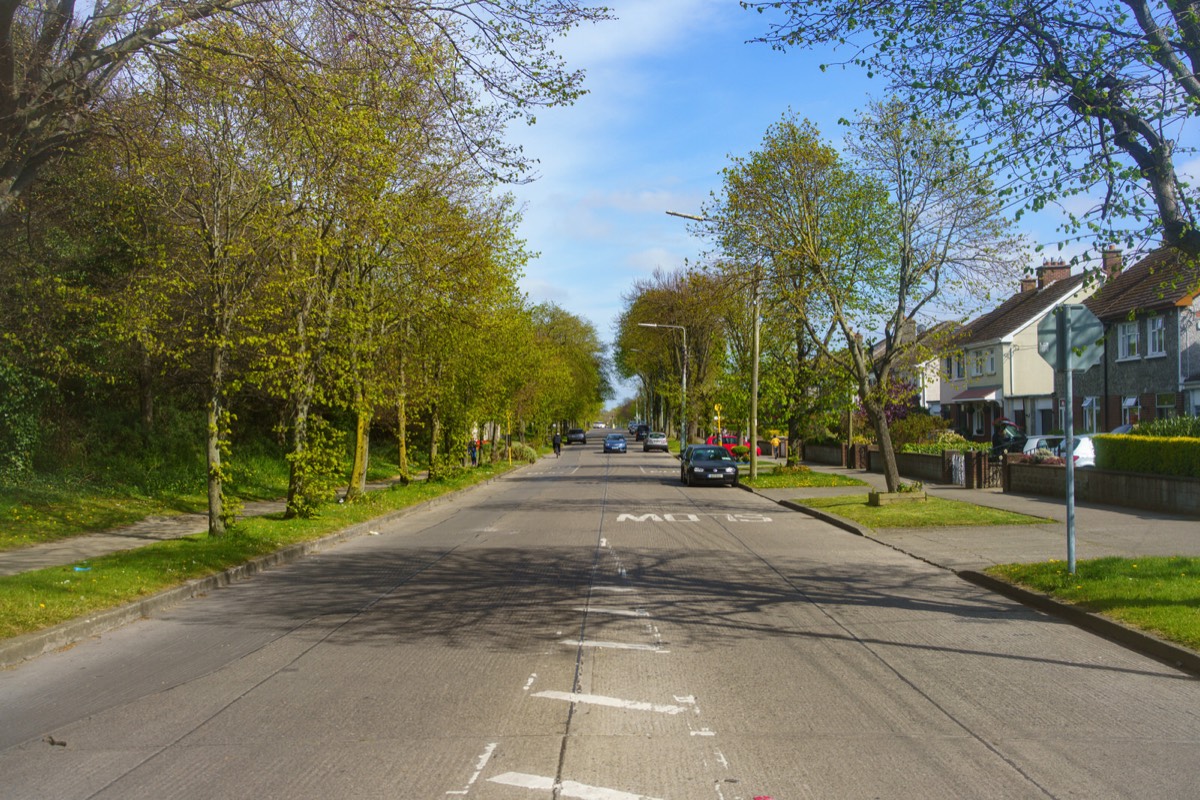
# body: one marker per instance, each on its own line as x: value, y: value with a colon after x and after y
x: 683, y: 406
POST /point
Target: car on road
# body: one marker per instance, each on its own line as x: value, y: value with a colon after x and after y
x: 655, y: 441
x: 709, y: 464
x: 1035, y: 443
x: 614, y: 443
x: 1085, y: 450
x: 576, y: 436
x: 597, y: 424
x: 730, y: 442
x: 640, y: 432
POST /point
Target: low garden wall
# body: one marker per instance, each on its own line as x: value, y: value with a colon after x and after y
x: 1165, y: 493
x: 825, y: 454
x: 915, y: 466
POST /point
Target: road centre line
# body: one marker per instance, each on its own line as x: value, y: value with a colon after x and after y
x: 612, y: 702
x: 614, y: 645
x: 613, y: 589
x: 616, y: 612
x: 579, y: 791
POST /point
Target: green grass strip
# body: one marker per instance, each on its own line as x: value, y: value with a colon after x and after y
x: 43, y: 598
x: 784, y: 478
x: 933, y: 512
x: 1158, y: 594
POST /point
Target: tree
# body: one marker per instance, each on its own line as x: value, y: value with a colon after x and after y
x: 864, y: 251
x: 1073, y: 98
x: 56, y: 66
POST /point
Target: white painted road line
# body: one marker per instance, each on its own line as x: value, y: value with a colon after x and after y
x: 579, y: 791
x: 479, y: 765
x: 616, y: 612
x: 612, y: 702
x: 613, y: 589
x: 614, y: 645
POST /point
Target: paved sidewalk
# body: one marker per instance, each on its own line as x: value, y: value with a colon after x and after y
x: 1099, y: 530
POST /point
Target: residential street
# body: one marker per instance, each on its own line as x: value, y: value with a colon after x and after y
x: 589, y: 628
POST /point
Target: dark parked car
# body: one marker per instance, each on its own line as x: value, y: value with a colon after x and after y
x: 1007, y: 437
x: 655, y: 441
x: 640, y: 433
x: 709, y: 464
x: 576, y: 436
x: 614, y: 443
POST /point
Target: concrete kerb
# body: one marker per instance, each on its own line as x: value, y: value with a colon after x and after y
x: 21, y: 648
x: 1147, y: 644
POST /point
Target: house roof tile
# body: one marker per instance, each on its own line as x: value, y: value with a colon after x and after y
x: 1020, y: 310
x: 1163, y: 279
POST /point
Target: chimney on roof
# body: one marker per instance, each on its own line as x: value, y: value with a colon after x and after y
x: 1051, y: 271
x: 1112, y: 262
x: 1028, y: 284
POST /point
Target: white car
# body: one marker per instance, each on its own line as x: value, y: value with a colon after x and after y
x: 1085, y: 450
x: 1035, y: 443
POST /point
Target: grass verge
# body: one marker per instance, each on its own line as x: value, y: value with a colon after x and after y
x: 781, y: 477
x: 934, y: 512
x: 1160, y: 594
x: 43, y: 598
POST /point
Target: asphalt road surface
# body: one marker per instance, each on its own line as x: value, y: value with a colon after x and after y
x: 589, y: 628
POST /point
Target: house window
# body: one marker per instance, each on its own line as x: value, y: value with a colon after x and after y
x: 991, y: 362
x: 977, y: 365
x: 1164, y: 405
x: 949, y: 367
x: 958, y: 367
x: 1089, y: 414
x: 1128, y: 345
x: 1156, y: 336
x: 1194, y: 402
x: 1130, y: 412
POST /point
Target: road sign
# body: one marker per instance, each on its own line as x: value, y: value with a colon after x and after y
x: 1084, y: 338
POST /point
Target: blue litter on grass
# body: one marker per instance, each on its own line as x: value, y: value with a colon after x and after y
x: 82, y: 569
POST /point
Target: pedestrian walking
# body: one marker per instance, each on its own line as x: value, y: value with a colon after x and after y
x: 473, y: 453
x: 556, y: 440
x: 775, y: 446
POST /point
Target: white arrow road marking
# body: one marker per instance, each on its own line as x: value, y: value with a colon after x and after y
x: 566, y: 788
x: 616, y: 612
x: 614, y: 645
x: 612, y: 702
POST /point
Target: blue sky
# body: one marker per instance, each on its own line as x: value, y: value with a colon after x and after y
x: 675, y: 90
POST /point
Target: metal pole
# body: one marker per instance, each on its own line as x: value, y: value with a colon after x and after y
x: 1064, y: 363
x: 683, y: 410
x: 754, y: 387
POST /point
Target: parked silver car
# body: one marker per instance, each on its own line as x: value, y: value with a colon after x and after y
x: 655, y: 441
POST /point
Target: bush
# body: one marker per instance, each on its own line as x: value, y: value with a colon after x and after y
x: 1157, y: 455
x: 523, y: 452
x: 1172, y: 426
x: 741, y: 452
x: 917, y: 429
x: 946, y: 440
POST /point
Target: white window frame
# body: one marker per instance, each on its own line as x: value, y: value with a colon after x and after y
x: 1131, y: 410
x: 1156, y: 336
x: 1090, y: 417
x: 976, y: 364
x: 1164, y: 405
x: 958, y: 367
x: 1128, y: 343
x: 991, y: 362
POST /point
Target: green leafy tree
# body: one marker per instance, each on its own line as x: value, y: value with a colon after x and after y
x: 1087, y: 98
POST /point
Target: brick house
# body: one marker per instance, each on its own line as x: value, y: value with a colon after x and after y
x: 1151, y: 363
x: 997, y: 371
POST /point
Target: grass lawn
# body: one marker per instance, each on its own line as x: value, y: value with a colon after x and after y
x: 1159, y: 594
x: 934, y: 512
x: 795, y: 478
x: 40, y: 599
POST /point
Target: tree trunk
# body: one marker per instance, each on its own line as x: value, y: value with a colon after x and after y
x: 299, y: 444
x: 362, y: 444
x: 402, y: 434
x: 891, y: 472
x: 216, y: 519
x: 435, y: 431
x: 146, y: 393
